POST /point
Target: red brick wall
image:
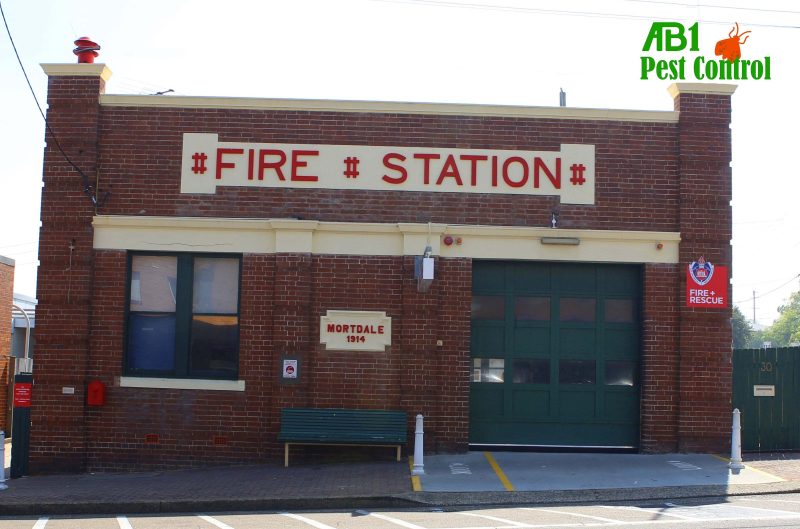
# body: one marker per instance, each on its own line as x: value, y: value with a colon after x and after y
x: 650, y: 176
x: 6, y: 300
x: 660, y: 395
x: 283, y: 297
x: 636, y: 167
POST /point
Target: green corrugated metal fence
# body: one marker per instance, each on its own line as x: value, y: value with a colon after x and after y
x: 766, y: 389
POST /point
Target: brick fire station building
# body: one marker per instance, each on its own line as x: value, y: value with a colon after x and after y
x: 242, y: 256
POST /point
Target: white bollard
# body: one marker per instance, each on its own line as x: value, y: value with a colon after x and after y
x: 3, y: 485
x: 736, y: 442
x: 419, y: 465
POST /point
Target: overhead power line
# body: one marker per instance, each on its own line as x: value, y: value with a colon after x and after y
x: 714, y: 6
x: 88, y: 188
x: 7, y: 246
x: 769, y: 292
x: 562, y: 12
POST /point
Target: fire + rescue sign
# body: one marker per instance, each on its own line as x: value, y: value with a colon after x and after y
x: 706, y: 285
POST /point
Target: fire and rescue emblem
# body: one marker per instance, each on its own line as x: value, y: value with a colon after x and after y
x: 701, y: 271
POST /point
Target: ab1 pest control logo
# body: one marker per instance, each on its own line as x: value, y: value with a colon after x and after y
x: 672, y: 38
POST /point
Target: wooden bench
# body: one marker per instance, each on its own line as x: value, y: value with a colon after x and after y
x: 336, y: 426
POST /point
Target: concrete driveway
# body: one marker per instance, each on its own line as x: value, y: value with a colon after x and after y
x: 530, y: 471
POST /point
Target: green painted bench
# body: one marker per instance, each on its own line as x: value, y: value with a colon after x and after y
x: 337, y: 426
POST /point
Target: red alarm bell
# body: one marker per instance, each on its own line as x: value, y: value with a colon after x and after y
x: 96, y: 393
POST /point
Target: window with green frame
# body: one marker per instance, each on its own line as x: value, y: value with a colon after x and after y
x: 183, y: 315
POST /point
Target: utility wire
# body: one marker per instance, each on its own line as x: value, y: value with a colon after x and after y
x: 770, y: 292
x: 7, y: 246
x: 713, y: 6
x: 592, y: 14
x: 88, y: 188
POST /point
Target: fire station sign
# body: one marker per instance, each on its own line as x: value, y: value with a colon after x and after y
x: 706, y: 285
x: 355, y: 330
x: 208, y: 163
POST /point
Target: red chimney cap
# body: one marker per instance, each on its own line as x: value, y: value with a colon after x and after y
x: 86, y: 42
x: 86, y: 50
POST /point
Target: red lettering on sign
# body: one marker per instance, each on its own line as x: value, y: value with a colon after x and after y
x: 297, y: 163
x: 538, y: 164
x: 507, y: 178
x: 494, y: 171
x: 356, y: 328
x: 449, y: 170
x: 264, y: 164
x: 473, y: 159
x: 426, y: 175
x: 399, y: 168
x: 250, y: 159
x: 225, y: 165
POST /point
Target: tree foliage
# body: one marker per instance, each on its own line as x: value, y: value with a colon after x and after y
x: 742, y: 330
x: 786, y: 329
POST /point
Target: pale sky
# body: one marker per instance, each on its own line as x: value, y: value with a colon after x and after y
x: 480, y: 51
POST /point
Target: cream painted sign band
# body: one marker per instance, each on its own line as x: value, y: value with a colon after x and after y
x: 208, y: 163
x: 354, y: 330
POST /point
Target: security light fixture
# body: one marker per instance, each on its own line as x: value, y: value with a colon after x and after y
x: 423, y: 270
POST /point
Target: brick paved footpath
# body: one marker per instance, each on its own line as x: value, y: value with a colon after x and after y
x: 782, y: 464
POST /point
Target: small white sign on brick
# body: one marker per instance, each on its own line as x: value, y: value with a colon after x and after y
x: 354, y: 330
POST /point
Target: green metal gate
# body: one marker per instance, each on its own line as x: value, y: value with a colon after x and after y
x: 555, y: 354
x: 766, y: 391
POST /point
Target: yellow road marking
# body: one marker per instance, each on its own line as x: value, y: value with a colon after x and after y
x: 416, y: 484
x: 748, y: 467
x: 773, y: 476
x: 499, y: 471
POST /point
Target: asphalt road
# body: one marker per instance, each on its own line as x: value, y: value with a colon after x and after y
x: 767, y: 511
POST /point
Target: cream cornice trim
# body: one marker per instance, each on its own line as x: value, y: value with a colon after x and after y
x: 267, y: 236
x: 719, y: 89
x: 79, y: 70
x: 181, y: 383
x: 321, y: 105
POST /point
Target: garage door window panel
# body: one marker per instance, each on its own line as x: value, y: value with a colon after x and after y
x: 577, y: 372
x: 490, y: 370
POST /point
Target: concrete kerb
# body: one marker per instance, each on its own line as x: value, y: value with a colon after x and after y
x: 587, y: 496
x: 193, y: 506
x: 412, y: 500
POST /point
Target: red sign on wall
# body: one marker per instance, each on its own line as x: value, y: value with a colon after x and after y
x: 706, y: 285
x: 22, y: 394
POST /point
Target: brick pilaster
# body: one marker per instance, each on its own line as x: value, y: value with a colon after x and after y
x: 705, y: 369
x: 65, y: 281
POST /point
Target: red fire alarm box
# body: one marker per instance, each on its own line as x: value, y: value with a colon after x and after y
x: 96, y: 393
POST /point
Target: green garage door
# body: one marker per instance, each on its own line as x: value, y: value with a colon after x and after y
x: 555, y: 354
